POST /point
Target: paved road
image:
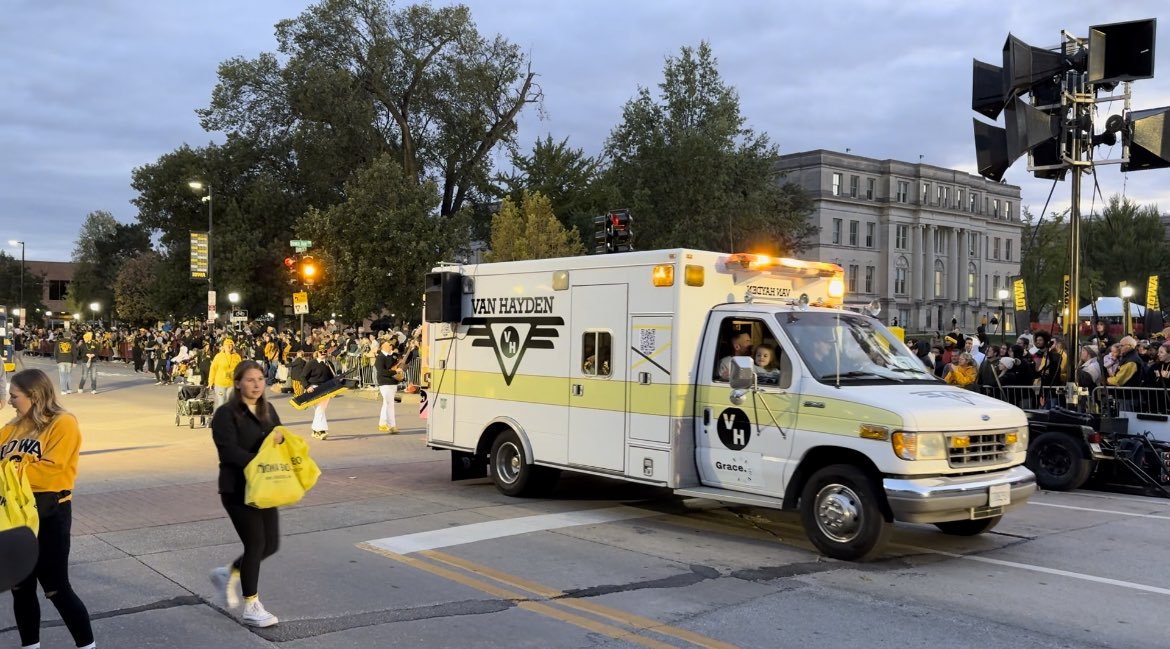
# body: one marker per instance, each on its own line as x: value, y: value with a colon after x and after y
x: 386, y: 552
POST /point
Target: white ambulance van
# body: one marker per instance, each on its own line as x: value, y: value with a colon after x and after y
x: 737, y: 378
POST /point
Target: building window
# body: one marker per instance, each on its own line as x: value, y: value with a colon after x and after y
x: 972, y: 281
x: 939, y: 276
x: 903, y: 191
x: 853, y: 184
x: 836, y: 184
x: 959, y: 204
x: 837, y: 231
x: 995, y: 285
x: 58, y: 289
x: 1007, y: 210
x: 869, y: 273
x: 986, y: 204
x: 870, y: 185
x: 854, y: 271
x: 974, y: 203
x: 995, y: 249
x: 973, y: 244
x: 596, y: 353
x: 940, y: 241
x: 901, y: 268
x: 901, y: 237
x: 924, y: 197
x: 869, y: 230
x: 904, y: 318
x: 1007, y: 249
x: 853, y: 228
x: 995, y: 208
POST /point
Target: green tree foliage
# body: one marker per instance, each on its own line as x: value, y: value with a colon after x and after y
x: 10, y: 284
x: 103, y: 246
x: 135, y: 289
x: 1044, y: 260
x: 531, y: 230
x: 694, y: 175
x: 355, y: 79
x: 1126, y: 243
x: 375, y: 247
x: 256, y: 198
x: 566, y: 176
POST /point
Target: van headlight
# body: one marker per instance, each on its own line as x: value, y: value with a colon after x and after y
x: 1016, y: 440
x: 919, y: 446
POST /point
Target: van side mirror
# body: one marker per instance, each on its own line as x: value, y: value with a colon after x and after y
x: 743, y: 373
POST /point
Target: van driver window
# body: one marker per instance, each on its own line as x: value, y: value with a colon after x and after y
x: 596, y: 353
x: 751, y: 339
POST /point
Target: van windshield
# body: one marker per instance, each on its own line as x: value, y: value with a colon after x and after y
x: 839, y: 346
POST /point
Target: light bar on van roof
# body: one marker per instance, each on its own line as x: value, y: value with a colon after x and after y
x: 748, y: 261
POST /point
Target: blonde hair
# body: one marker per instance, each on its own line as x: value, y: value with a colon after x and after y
x: 967, y: 357
x: 37, y: 386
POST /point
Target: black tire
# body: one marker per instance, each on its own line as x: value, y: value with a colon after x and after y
x: 1059, y: 462
x: 969, y: 527
x: 843, y: 515
x: 510, y: 470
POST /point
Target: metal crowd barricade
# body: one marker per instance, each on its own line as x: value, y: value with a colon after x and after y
x: 1151, y: 402
x: 412, y: 370
x: 1029, y: 397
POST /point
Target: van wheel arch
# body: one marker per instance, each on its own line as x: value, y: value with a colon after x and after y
x: 822, y: 456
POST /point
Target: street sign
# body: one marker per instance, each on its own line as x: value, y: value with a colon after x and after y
x: 239, y: 315
x: 300, y: 243
x: 199, y: 255
x: 300, y: 303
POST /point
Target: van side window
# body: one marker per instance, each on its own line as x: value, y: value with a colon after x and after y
x: 596, y: 353
x: 752, y: 339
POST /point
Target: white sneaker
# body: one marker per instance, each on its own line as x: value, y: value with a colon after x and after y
x: 93, y: 391
x: 255, y: 615
x: 227, y: 584
x: 64, y: 391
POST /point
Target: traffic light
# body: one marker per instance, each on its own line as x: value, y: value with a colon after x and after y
x: 291, y: 269
x: 309, y: 270
x: 613, y: 232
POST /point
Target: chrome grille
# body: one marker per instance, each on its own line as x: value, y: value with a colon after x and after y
x: 985, y: 448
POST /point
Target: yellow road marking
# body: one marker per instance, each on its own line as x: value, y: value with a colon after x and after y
x: 522, y: 601
x: 629, y: 619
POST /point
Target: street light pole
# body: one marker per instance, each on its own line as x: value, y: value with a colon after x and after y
x: 23, y: 317
x: 198, y: 185
x: 1003, y: 296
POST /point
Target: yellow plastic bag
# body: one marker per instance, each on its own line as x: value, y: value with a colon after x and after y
x: 303, y: 466
x: 18, y: 508
x: 271, y: 481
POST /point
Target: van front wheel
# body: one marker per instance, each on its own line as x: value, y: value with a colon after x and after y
x: 842, y: 513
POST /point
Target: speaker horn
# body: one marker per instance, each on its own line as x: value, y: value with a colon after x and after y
x: 1121, y: 51
x: 991, y: 150
x: 1027, y: 128
x: 1045, y: 155
x: 1024, y: 66
x: 987, y: 89
x: 1149, y: 139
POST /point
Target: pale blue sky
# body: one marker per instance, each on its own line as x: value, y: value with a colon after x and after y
x: 90, y: 90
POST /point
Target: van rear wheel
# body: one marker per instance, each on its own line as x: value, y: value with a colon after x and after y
x: 511, y: 471
x: 841, y: 510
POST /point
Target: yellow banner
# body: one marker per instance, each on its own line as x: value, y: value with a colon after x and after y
x: 1152, y: 293
x: 1020, y: 294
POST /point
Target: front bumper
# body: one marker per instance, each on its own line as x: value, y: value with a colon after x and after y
x: 955, y: 498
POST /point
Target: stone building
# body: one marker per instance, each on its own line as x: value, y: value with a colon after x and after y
x: 929, y: 243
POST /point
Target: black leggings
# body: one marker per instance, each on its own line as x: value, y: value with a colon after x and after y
x: 52, y: 572
x: 259, y: 529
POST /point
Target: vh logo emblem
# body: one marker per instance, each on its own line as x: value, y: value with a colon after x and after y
x: 735, y: 429
x: 511, y: 336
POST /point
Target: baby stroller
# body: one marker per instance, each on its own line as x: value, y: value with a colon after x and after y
x: 193, y: 401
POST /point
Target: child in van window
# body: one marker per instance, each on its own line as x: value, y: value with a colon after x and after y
x: 767, y: 370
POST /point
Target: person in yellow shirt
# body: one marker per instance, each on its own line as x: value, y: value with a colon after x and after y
x: 223, y: 368
x: 963, y: 371
x: 45, y: 441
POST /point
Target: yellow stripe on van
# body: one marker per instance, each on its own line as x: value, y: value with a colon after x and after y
x: 665, y: 399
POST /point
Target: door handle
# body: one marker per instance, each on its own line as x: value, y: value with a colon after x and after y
x: 706, y: 418
x: 578, y: 390
x: 643, y: 378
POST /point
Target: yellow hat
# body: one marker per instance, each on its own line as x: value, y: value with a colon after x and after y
x: 87, y: 336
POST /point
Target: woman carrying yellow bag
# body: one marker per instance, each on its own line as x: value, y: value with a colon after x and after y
x: 239, y: 428
x: 46, y: 442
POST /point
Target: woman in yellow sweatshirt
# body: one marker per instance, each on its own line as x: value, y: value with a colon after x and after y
x: 223, y: 368
x: 45, y: 441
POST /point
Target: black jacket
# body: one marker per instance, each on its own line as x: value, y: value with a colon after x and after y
x: 317, y: 372
x: 238, y: 434
x: 384, y: 364
x: 296, y: 369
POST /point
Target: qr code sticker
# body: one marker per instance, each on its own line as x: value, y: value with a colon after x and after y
x: 646, y: 342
